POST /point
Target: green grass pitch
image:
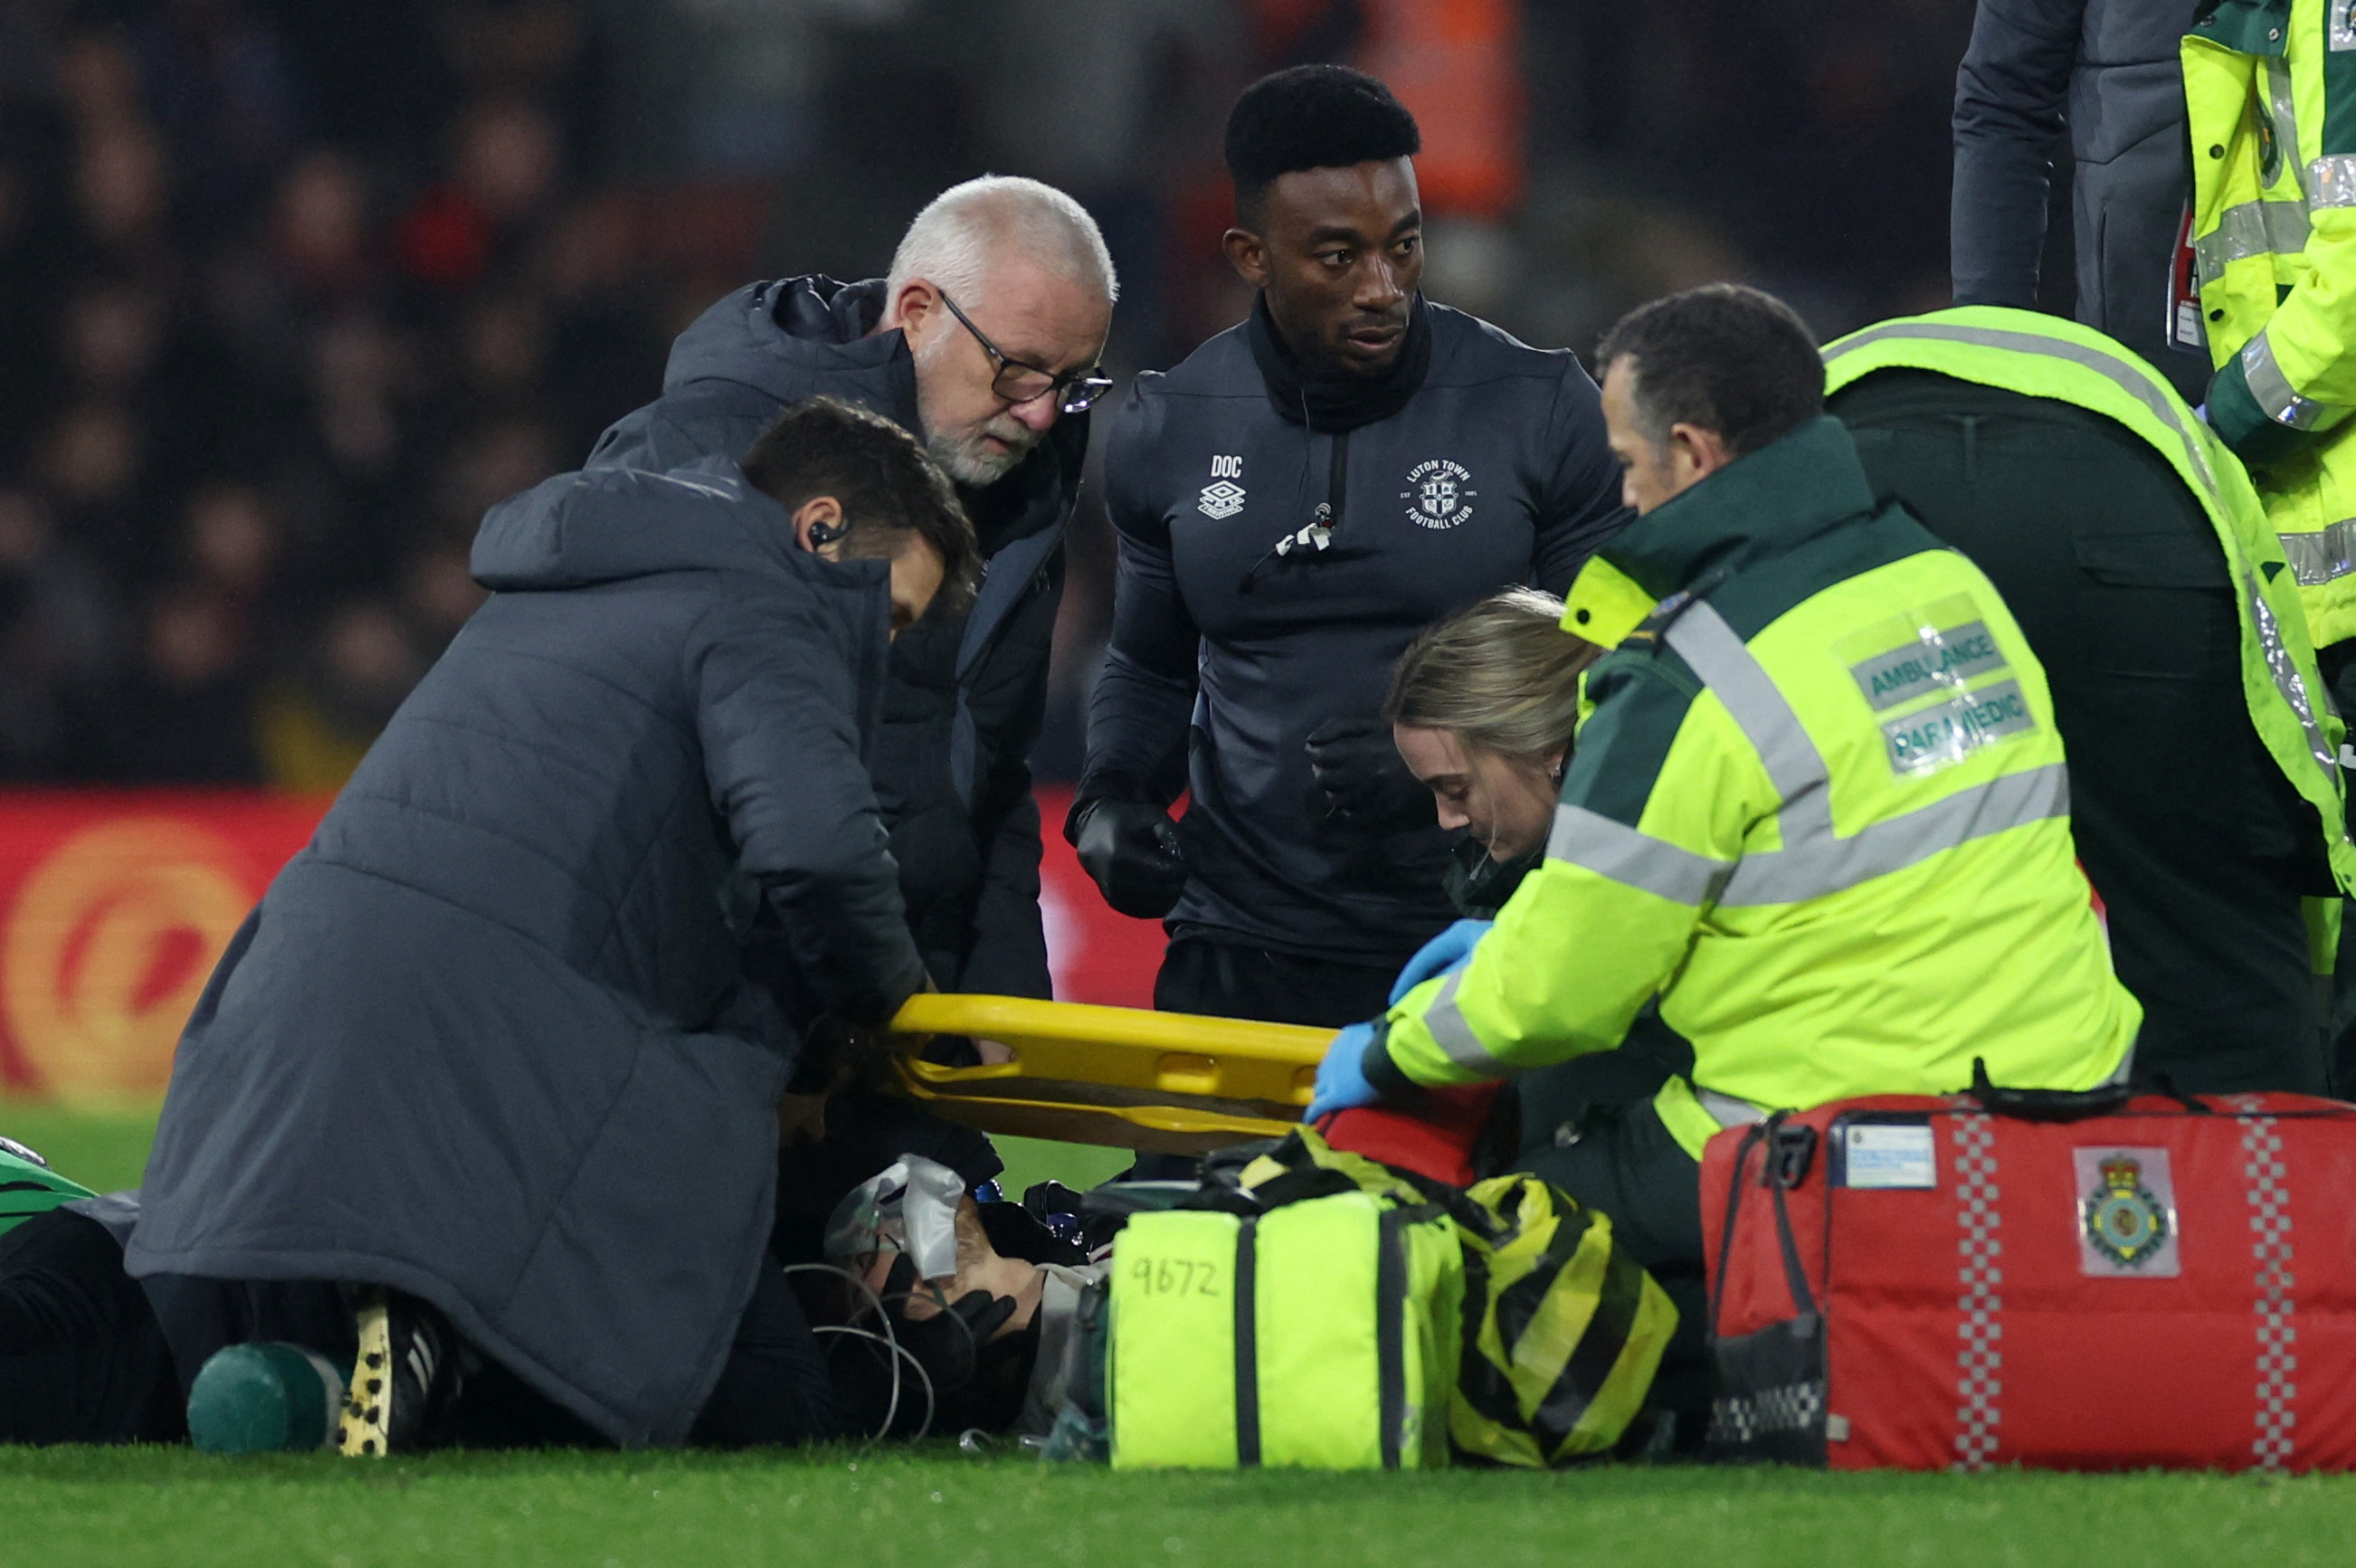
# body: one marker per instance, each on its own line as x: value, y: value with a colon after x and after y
x: 935, y: 1506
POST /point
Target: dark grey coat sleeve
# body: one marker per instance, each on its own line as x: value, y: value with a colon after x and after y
x: 1143, y: 704
x: 1009, y: 953
x: 778, y: 717
x: 1581, y: 499
x: 2010, y: 96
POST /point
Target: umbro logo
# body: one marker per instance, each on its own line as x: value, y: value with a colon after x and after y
x: 1223, y: 500
x: 1223, y: 497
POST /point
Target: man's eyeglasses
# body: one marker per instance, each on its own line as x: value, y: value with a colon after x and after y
x: 1018, y: 382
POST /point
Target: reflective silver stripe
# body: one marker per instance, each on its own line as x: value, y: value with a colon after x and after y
x: 1703, y: 640
x: 1634, y: 859
x: 2139, y: 383
x: 2275, y: 397
x: 2331, y: 182
x: 1454, y: 1035
x: 1814, y: 861
x: 2319, y: 558
x: 2136, y: 382
x: 2126, y: 1069
x: 2290, y: 683
x: 1793, y: 876
x: 1727, y: 1111
x: 2285, y: 103
x: 2252, y: 229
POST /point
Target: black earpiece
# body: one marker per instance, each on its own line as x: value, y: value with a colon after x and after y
x: 822, y: 534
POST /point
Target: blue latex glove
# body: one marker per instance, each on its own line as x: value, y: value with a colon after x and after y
x: 1341, y: 1077
x: 2202, y: 413
x: 1451, y: 948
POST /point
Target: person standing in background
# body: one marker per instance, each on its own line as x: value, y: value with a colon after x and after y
x: 2105, y: 72
x: 1293, y: 503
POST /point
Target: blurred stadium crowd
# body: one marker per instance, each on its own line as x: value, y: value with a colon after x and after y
x: 290, y: 291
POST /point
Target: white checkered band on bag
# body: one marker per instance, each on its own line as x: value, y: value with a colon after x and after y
x: 2268, y: 1192
x: 1977, y: 1359
x: 1741, y: 1419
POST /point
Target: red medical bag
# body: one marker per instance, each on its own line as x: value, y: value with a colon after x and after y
x: 1924, y: 1284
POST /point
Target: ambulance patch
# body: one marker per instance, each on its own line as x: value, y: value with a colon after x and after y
x: 1925, y: 663
x: 2127, y: 1214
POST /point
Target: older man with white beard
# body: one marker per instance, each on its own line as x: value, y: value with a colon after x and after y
x: 983, y: 341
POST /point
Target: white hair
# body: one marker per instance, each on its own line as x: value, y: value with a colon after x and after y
x: 961, y: 232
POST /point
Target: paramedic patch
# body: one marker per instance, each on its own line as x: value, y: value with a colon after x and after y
x: 1948, y: 732
x: 2126, y: 1214
x: 1932, y: 661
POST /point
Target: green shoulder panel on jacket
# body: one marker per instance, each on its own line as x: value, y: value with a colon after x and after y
x: 2246, y: 26
x: 1641, y: 692
x: 1756, y: 598
x: 28, y: 1187
x: 2339, y: 135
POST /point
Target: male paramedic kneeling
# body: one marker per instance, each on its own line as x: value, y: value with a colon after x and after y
x: 484, y: 1064
x: 1843, y: 866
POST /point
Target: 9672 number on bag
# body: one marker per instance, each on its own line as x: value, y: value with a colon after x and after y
x: 1175, y: 1276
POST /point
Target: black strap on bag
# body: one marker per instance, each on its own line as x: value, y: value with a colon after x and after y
x: 1771, y: 1405
x: 1248, y: 1343
x: 1783, y: 1167
x: 2073, y: 1104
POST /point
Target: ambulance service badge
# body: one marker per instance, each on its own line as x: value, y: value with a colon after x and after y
x: 2126, y: 1213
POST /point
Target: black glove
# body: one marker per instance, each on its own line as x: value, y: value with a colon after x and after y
x: 1131, y: 847
x: 1364, y: 782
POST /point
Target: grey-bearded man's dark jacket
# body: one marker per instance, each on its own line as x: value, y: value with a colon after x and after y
x: 485, y: 1039
x: 968, y: 693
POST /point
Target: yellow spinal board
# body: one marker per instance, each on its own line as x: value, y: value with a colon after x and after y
x: 1123, y: 1077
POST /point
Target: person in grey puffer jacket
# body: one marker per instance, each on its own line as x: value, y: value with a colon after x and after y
x: 488, y: 1040
x: 2107, y: 72
x: 1005, y: 415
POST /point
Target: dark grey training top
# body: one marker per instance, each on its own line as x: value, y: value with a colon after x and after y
x: 1494, y: 473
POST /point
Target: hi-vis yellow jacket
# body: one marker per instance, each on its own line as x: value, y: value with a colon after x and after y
x: 2268, y: 88
x: 1818, y: 807
x: 2044, y: 356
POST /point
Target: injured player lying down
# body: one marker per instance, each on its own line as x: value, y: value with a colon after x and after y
x: 857, y: 1345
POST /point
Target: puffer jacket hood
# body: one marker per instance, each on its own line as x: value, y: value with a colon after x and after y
x: 606, y: 525
x: 772, y: 335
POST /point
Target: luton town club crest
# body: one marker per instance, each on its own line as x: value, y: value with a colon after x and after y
x: 1439, y: 494
x: 2127, y: 1219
